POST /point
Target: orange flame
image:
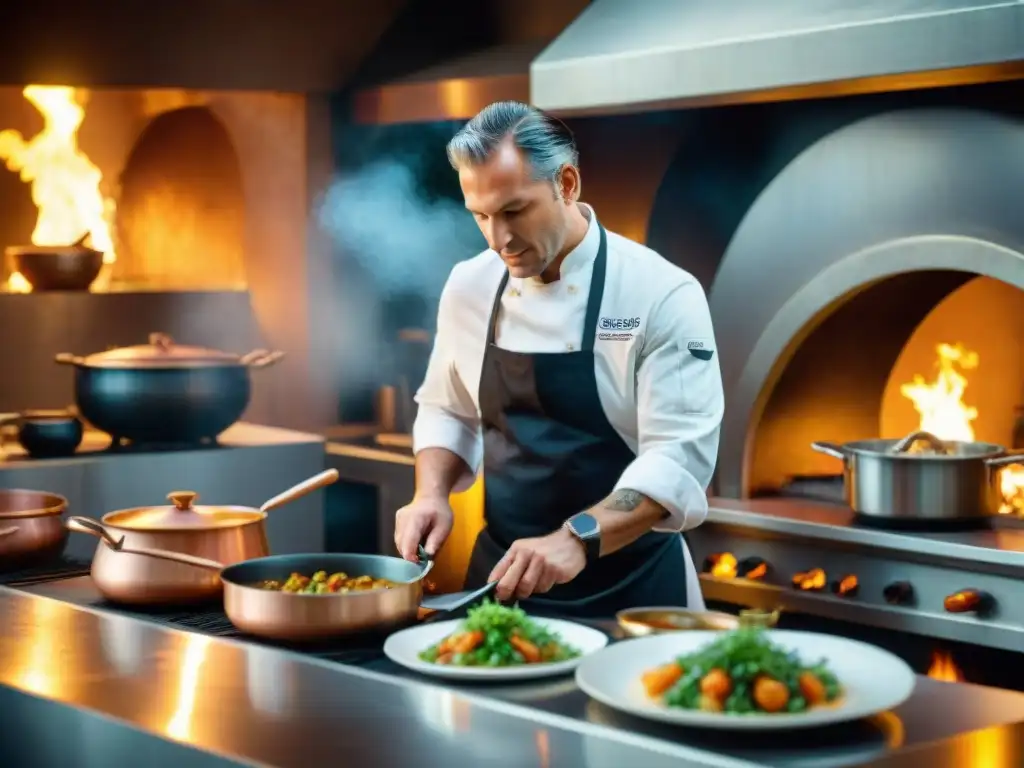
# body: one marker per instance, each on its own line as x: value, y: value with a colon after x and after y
x: 65, y: 182
x: 943, y: 412
x: 944, y: 668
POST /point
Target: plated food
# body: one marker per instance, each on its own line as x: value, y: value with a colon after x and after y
x: 859, y: 680
x: 320, y: 583
x: 494, y: 635
x: 743, y: 672
x: 494, y: 642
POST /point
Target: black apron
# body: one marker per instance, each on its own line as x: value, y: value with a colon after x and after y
x: 550, y: 452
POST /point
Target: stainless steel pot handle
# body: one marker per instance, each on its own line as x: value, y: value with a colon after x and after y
x: 830, y: 449
x: 904, y: 445
x: 428, y: 563
x: 85, y: 525
x: 1002, y: 461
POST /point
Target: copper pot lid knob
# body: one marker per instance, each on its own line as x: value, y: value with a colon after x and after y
x: 182, y: 500
x: 161, y: 341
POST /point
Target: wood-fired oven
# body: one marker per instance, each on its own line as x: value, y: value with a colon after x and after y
x: 873, y: 287
x: 189, y: 143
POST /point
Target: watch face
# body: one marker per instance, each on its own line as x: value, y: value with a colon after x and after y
x: 585, y: 525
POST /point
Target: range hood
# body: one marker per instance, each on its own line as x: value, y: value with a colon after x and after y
x: 635, y: 55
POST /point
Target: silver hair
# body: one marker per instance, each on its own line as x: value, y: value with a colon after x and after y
x: 545, y: 141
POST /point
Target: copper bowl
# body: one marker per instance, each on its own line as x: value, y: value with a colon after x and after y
x: 72, y: 268
x: 638, y: 622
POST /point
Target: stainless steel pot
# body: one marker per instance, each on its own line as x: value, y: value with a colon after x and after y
x: 921, y: 477
x: 31, y: 528
x: 162, y: 392
x: 123, y: 572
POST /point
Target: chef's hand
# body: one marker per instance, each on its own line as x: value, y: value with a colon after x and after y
x: 534, y: 566
x: 425, y: 517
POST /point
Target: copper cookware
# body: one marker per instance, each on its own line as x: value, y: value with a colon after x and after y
x: 228, y: 534
x: 638, y: 622
x: 295, y: 617
x: 31, y: 528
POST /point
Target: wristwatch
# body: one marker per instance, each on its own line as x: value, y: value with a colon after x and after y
x: 586, y: 528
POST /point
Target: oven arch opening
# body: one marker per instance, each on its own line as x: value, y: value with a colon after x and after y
x: 887, y: 215
x: 822, y: 368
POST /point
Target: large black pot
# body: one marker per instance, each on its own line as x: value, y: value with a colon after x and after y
x: 164, y: 393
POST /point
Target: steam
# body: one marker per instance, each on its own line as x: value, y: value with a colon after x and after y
x: 407, y: 242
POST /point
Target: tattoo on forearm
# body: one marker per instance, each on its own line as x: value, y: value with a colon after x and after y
x: 627, y: 500
x: 624, y: 500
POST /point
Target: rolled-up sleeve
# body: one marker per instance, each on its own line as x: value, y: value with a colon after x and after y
x: 679, y: 409
x: 447, y: 416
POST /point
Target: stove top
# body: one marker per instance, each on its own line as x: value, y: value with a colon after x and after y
x: 54, y: 570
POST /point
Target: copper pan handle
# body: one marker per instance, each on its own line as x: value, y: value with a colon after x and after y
x: 8, y: 531
x: 174, y: 557
x: 250, y: 357
x: 297, y: 491
x: 85, y: 525
x: 263, y: 360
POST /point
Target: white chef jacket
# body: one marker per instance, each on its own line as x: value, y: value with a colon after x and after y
x: 655, y: 362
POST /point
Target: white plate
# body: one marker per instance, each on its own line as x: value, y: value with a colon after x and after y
x: 404, y: 648
x: 873, y: 680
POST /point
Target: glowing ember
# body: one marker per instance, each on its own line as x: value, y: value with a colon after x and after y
x: 65, y: 183
x: 813, y: 580
x: 724, y: 565
x: 943, y: 412
x: 944, y: 668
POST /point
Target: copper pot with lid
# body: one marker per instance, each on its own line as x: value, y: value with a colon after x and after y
x: 164, y: 392
x: 229, y: 534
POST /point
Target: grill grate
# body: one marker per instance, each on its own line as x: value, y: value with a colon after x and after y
x: 55, y: 570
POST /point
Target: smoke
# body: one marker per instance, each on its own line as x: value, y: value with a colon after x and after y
x: 382, y: 218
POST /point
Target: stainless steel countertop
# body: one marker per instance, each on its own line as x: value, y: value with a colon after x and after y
x: 1000, y: 549
x: 274, y: 707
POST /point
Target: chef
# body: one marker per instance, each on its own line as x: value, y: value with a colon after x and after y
x: 578, y: 369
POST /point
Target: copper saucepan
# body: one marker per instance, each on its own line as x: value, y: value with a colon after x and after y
x: 31, y: 528
x: 229, y: 534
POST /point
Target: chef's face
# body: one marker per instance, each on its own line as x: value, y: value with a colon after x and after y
x: 525, y: 220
